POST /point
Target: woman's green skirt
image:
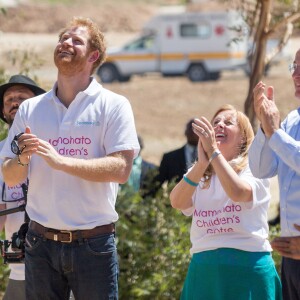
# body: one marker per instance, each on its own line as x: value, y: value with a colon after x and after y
x: 231, y: 274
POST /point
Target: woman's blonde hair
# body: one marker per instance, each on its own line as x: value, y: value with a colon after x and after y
x: 239, y: 162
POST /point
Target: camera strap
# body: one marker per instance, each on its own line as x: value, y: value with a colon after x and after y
x: 25, y: 191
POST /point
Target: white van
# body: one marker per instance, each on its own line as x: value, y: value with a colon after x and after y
x: 197, y: 44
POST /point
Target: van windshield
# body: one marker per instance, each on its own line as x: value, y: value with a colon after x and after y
x: 144, y: 42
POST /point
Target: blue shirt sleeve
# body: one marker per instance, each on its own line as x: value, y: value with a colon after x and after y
x: 263, y: 160
x: 286, y: 148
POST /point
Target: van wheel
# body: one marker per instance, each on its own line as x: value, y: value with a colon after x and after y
x: 124, y: 78
x: 197, y: 73
x: 108, y: 73
x: 214, y: 75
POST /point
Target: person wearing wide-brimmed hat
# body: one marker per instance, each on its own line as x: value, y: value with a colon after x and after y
x: 15, y: 91
x: 12, y: 94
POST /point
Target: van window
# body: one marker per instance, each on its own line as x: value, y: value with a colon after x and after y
x: 202, y: 30
x: 145, y: 42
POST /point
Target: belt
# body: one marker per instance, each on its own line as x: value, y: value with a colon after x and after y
x: 68, y: 236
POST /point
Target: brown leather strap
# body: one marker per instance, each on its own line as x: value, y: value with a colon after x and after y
x: 67, y: 236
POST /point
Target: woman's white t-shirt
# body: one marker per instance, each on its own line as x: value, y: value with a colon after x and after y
x: 219, y: 222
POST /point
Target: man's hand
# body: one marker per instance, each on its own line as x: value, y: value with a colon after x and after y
x: 49, y: 154
x: 288, y: 246
x: 266, y: 109
x: 28, y: 142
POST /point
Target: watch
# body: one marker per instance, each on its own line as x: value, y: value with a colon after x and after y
x: 15, y: 146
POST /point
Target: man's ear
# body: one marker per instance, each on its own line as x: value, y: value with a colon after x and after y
x: 94, y: 56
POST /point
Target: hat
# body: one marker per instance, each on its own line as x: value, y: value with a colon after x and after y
x: 16, y: 80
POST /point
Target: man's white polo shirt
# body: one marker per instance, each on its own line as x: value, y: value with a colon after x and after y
x: 98, y: 122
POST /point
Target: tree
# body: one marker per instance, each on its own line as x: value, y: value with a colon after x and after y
x: 265, y: 25
x: 265, y: 19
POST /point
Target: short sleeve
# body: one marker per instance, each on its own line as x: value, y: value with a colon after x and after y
x: 260, y: 188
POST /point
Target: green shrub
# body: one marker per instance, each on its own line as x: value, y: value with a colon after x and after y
x: 4, y: 270
x: 274, y: 232
x: 153, y: 246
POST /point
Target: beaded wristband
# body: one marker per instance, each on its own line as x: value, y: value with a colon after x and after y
x: 215, y: 154
x: 20, y: 163
x: 190, y: 182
